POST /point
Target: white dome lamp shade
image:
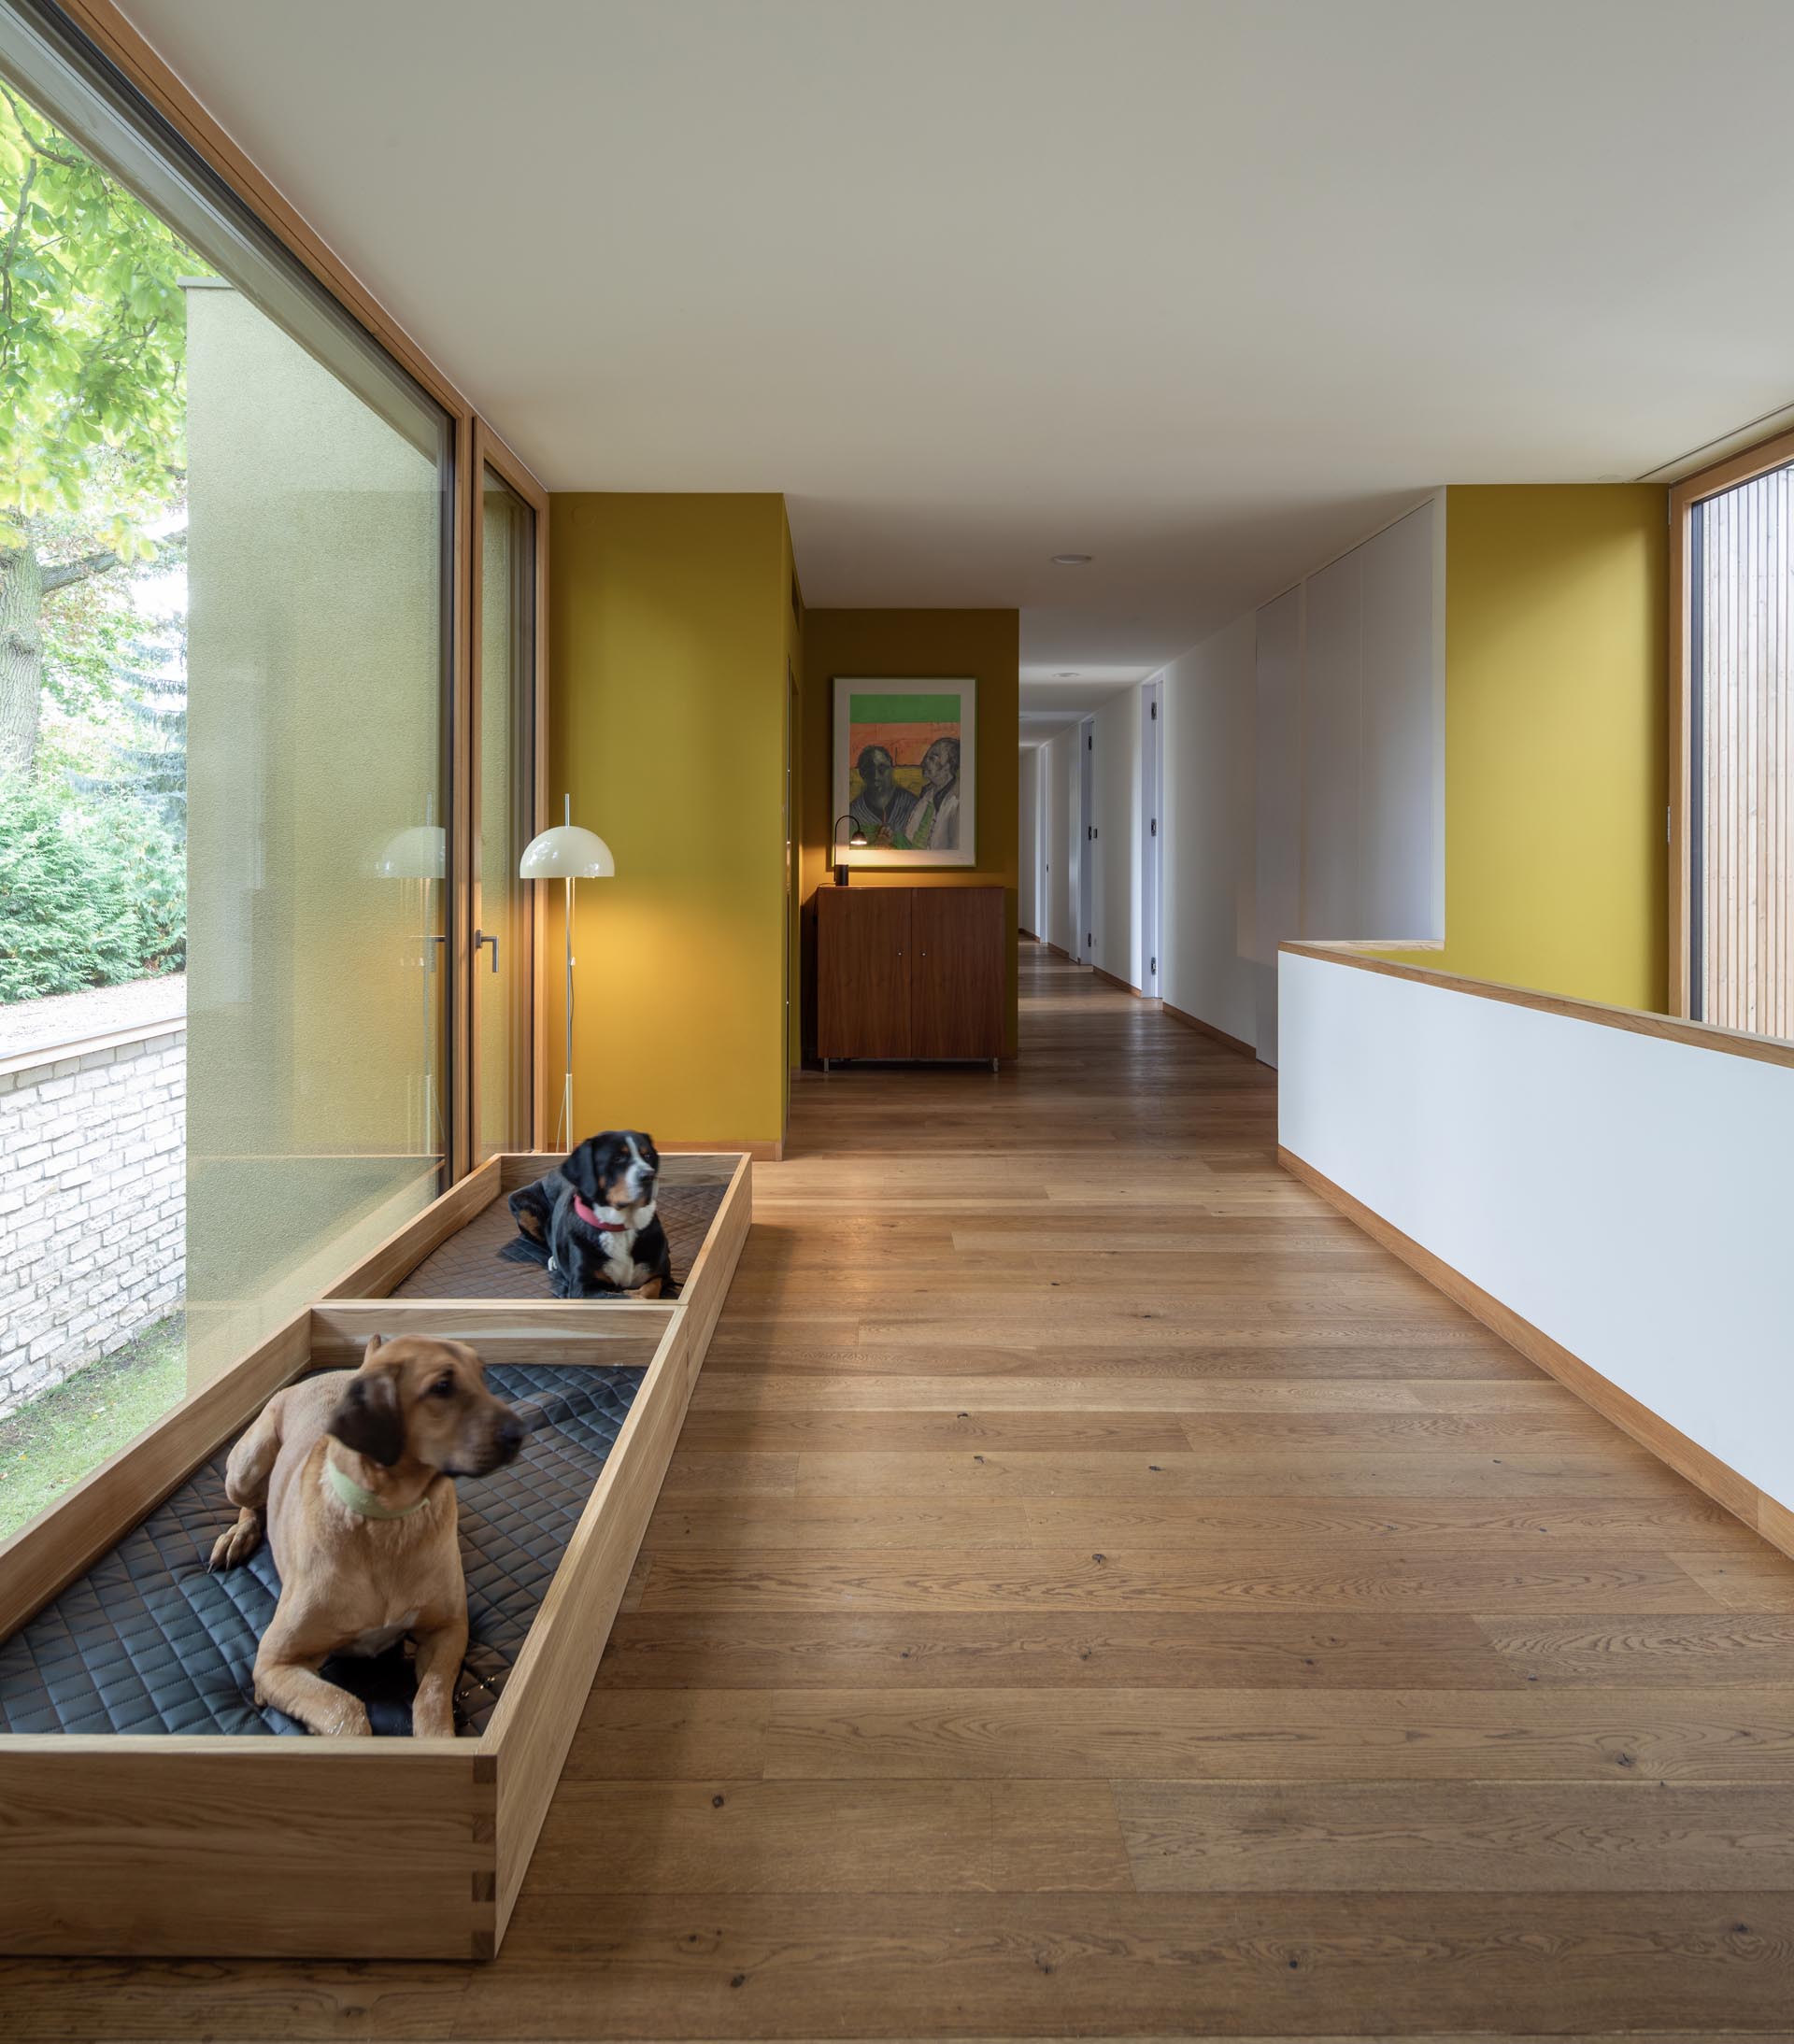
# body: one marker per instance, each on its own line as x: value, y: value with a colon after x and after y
x: 417, y: 853
x: 567, y: 853
x: 570, y: 854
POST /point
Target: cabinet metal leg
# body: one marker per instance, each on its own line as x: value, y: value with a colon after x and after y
x: 827, y: 1065
x: 993, y: 1064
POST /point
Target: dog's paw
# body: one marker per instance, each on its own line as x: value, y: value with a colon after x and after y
x: 350, y: 1721
x: 237, y: 1543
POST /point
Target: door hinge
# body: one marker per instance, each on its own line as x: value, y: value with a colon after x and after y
x: 1154, y: 826
x: 1089, y: 742
x: 1153, y: 967
x: 1155, y: 713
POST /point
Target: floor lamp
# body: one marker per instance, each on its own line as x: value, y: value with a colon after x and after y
x: 568, y: 854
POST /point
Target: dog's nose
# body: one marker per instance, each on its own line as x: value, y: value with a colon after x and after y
x: 510, y: 1433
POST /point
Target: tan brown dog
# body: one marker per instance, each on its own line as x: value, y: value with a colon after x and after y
x: 353, y: 1473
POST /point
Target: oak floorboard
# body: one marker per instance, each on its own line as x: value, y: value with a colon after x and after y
x: 1622, y: 1470
x: 767, y: 1392
x: 1317, y: 1577
x: 1479, y: 1724
x: 1185, y: 1838
x: 1529, y: 1734
x: 1059, y: 1652
x: 1622, y: 1526
x: 720, y: 1836
x: 1569, y: 1425
x: 1657, y: 1652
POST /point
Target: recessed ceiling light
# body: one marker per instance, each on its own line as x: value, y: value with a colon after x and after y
x: 1068, y: 673
x: 1072, y: 561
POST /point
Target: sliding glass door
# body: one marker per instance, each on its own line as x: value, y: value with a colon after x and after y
x: 505, y: 759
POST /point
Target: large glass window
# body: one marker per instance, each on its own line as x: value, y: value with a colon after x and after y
x: 225, y: 526
x: 1741, y: 764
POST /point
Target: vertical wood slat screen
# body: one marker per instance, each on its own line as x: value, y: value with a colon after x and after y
x: 1743, y: 635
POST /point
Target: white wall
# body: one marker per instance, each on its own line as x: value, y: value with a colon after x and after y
x: 1059, y: 787
x: 1277, y: 780
x: 1206, y: 964
x: 1028, y: 852
x: 1372, y: 737
x: 1116, y: 894
x: 1304, y: 786
x: 1622, y: 1193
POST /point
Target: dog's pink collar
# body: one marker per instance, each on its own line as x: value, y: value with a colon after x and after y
x: 590, y: 1218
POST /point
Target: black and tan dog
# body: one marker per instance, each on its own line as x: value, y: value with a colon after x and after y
x: 593, y: 1224
x: 351, y: 1472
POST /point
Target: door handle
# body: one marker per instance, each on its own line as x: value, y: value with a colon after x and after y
x: 480, y: 938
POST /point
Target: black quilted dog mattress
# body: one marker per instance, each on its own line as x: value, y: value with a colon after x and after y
x: 468, y: 1264
x: 148, y: 1642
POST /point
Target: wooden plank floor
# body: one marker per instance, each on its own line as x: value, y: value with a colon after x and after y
x: 1101, y: 1593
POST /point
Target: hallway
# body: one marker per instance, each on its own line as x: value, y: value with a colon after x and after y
x: 1099, y: 1592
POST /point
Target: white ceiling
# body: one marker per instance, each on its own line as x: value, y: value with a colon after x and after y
x: 1204, y: 288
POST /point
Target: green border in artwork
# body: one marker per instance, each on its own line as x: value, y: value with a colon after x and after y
x: 906, y: 709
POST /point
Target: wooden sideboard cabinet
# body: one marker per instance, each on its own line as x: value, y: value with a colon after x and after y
x: 910, y: 973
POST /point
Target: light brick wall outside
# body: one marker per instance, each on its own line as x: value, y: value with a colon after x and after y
x: 92, y: 1206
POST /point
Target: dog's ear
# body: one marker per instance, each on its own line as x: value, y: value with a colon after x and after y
x: 369, y: 1418
x: 580, y: 1170
x: 533, y: 1209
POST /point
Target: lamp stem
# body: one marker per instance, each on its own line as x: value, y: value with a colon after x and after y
x: 566, y: 1091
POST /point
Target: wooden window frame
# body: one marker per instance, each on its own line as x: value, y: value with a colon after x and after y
x: 476, y: 446
x: 1712, y: 481
x: 487, y: 451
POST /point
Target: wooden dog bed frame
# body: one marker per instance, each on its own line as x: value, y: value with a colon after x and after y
x: 385, y: 1848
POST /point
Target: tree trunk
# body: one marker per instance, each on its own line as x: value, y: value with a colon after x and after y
x: 21, y: 656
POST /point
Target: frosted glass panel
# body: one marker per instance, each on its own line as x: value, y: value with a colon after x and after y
x: 318, y: 1109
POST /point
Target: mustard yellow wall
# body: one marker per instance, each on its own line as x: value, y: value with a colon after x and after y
x: 668, y: 643
x: 1555, y: 764
x: 793, y: 622
x: 926, y: 644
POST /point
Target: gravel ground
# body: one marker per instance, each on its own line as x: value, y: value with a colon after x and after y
x: 97, y: 1011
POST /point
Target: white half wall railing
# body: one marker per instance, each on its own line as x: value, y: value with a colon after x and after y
x: 1607, y: 1189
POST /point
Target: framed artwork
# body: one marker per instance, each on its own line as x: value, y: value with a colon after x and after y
x: 905, y: 770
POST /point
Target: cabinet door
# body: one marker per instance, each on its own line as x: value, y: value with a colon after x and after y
x: 862, y: 973
x: 957, y: 985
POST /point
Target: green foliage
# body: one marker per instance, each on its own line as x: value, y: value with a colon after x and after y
x: 90, y: 893
x: 146, y: 762
x: 88, y: 626
x: 93, y: 341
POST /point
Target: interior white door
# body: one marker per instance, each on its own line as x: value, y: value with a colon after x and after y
x: 1152, y: 786
x: 1085, y: 949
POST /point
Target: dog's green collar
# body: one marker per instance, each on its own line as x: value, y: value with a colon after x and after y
x: 364, y: 1502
